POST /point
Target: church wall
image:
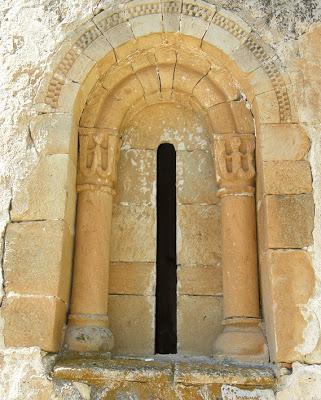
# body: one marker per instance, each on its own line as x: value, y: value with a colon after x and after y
x: 29, y: 151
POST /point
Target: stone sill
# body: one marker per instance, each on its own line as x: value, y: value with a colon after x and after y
x: 165, y: 371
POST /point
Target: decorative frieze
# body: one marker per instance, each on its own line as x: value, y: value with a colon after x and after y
x: 194, y: 9
x: 234, y: 158
x: 98, y: 156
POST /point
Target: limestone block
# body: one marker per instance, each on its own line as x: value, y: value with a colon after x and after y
x: 34, y: 321
x: 38, y: 258
x: 167, y: 123
x: 80, y: 68
x: 292, y: 284
x: 55, y: 134
x: 287, y: 177
x: 146, y: 24
x: 132, y: 278
x: 234, y: 393
x: 289, y: 220
x: 198, y: 235
x: 199, y: 280
x: 245, y: 59
x: 195, y: 179
x: 136, y: 177
x: 119, y: 35
x: 282, y: 142
x: 133, y: 235
x: 260, y: 83
x: 199, y: 321
x: 266, y: 108
x: 192, y: 26
x: 171, y: 18
x: 132, y: 324
x: 226, y: 31
x: 98, y: 49
x: 48, y: 192
x: 222, y: 119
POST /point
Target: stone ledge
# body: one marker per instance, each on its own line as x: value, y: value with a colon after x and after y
x: 169, y: 371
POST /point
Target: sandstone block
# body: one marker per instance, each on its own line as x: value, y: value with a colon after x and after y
x: 172, y: 123
x: 146, y: 24
x: 133, y: 233
x: 200, y: 280
x: 55, y: 134
x: 243, y: 117
x: 38, y: 258
x: 132, y: 323
x: 34, y: 321
x: 199, y: 321
x: 207, y: 94
x: 199, y: 236
x: 221, y: 39
x: 289, y: 220
x: 282, y: 142
x: 49, y: 192
x: 80, y: 68
x: 119, y: 35
x: 287, y: 177
x: 196, y: 182
x: 136, y: 178
x: 221, y: 118
x: 292, y: 284
x: 132, y: 278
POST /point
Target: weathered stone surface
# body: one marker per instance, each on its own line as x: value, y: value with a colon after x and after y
x: 48, y: 192
x: 282, y: 142
x: 292, y: 284
x: 132, y: 323
x: 133, y: 234
x: 132, y: 278
x: 34, y: 321
x: 167, y: 123
x: 289, y: 220
x: 199, y: 321
x: 202, y: 280
x: 198, y: 242
x: 287, y: 177
x: 38, y: 252
x: 136, y: 178
x: 196, y: 183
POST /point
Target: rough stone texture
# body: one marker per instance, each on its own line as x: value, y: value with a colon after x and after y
x: 132, y: 324
x: 23, y: 313
x: 32, y: 35
x: 198, y: 324
x: 287, y: 177
x: 292, y: 281
x: 289, y: 221
x: 24, y: 263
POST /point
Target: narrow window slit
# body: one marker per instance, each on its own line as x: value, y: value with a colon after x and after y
x: 166, y: 279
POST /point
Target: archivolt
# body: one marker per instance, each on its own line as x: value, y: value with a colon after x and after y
x: 173, y: 71
x: 215, y: 32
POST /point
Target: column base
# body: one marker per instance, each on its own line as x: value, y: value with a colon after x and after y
x: 241, y: 340
x: 87, y: 333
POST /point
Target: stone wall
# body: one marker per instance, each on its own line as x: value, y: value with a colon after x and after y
x: 33, y: 34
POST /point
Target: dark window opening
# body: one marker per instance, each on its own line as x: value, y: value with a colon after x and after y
x: 166, y: 280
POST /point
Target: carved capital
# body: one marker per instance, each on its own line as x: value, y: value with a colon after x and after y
x: 98, y: 157
x: 234, y: 161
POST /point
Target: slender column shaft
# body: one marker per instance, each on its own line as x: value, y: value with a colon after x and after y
x: 242, y: 338
x: 88, y: 329
x: 91, y: 264
x: 240, y: 278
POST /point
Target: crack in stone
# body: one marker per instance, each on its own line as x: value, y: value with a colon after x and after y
x: 3, y: 295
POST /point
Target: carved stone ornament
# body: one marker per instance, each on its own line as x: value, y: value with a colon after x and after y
x: 234, y: 159
x: 98, y: 156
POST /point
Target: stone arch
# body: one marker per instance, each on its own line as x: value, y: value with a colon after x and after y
x: 104, y: 44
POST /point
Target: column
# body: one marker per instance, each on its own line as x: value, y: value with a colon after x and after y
x: 88, y: 329
x: 242, y: 338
